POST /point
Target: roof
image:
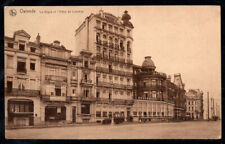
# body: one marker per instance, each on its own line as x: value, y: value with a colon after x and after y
x: 21, y: 32
x: 148, y: 63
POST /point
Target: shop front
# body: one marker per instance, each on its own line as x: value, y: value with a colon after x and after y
x: 55, y: 113
x: 20, y: 112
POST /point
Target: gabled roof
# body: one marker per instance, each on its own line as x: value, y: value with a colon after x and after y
x: 21, y: 33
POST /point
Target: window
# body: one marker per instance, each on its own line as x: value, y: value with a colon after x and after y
x: 74, y: 91
x: 97, y: 37
x: 86, y: 93
x: 144, y: 84
x: 98, y: 113
x: 98, y: 49
x: 121, y: 92
x: 121, y: 79
x: 21, y: 66
x: 97, y: 94
x: 74, y: 63
x: 104, y: 76
x: 32, y: 66
x: 85, y: 108
x: 110, y: 68
x: 128, y: 80
x: 52, y: 93
x: 32, y: 49
x: 110, y: 78
x: 86, y: 64
x: 9, y: 86
x: 104, y: 114
x: 103, y: 26
x: 153, y: 82
x: 140, y: 113
x: 22, y: 47
x: 116, y: 78
x: 10, y: 45
x: 134, y: 113
x: 57, y: 91
x: 9, y: 61
x: 110, y: 95
x: 128, y: 46
x: 154, y: 94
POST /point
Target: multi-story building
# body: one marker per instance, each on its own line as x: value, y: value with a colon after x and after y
x: 175, y: 91
x: 108, y: 39
x: 194, y: 104
x: 150, y: 98
x: 22, y: 80
x: 44, y: 83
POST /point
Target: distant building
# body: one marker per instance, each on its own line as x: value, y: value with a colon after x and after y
x: 150, y: 98
x: 194, y: 104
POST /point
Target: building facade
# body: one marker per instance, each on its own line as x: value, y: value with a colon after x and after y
x: 22, y: 80
x: 108, y: 39
x: 46, y: 84
x: 151, y: 100
x: 194, y: 104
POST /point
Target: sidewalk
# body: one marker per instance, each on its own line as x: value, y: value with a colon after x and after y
x: 85, y: 124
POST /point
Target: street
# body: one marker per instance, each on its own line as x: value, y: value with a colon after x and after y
x: 179, y: 130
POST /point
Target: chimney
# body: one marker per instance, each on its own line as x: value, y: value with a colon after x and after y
x: 38, y: 39
x: 101, y: 12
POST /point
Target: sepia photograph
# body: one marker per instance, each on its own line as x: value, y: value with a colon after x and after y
x: 112, y: 72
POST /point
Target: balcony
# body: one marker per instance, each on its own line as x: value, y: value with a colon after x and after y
x: 101, y: 69
x: 89, y: 98
x: 154, y: 87
x: 21, y: 71
x: 18, y: 92
x: 85, y: 82
x: 56, y: 98
x: 104, y: 84
x: 129, y: 87
x: 55, y: 78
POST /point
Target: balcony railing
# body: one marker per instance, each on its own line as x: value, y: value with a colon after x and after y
x: 104, y: 84
x: 85, y: 81
x: 56, y: 78
x: 56, y: 98
x: 19, y: 92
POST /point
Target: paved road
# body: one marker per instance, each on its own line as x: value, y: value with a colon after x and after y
x: 180, y: 130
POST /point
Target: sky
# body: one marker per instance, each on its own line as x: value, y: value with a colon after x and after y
x: 180, y: 39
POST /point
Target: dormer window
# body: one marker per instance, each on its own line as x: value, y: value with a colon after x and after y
x: 22, y: 47
x: 10, y: 45
x: 32, y: 49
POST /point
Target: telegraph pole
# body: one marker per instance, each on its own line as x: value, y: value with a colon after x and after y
x: 208, y: 103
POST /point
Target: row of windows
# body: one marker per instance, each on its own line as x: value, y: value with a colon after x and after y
x: 21, y: 64
x: 110, y: 27
x: 104, y: 77
x: 109, y: 114
x: 152, y: 82
x: 148, y: 114
x: 21, y: 47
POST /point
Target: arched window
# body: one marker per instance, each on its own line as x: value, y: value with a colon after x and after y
x: 121, y: 45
